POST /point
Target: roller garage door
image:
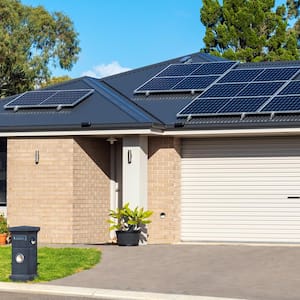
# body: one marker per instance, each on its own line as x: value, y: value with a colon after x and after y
x: 241, y: 190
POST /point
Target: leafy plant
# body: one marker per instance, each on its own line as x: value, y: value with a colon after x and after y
x: 3, y: 224
x: 127, y: 219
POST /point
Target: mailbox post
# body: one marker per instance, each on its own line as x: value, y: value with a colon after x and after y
x: 24, y: 252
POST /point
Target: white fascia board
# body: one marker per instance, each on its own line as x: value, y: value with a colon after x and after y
x: 158, y: 132
x: 117, y: 132
x: 233, y: 132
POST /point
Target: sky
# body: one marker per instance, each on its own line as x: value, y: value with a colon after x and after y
x: 118, y: 35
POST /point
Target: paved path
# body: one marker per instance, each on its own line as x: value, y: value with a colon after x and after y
x: 232, y: 271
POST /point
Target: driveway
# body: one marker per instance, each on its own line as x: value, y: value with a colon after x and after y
x: 231, y: 271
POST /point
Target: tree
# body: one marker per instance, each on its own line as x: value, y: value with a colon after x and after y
x: 31, y: 40
x: 249, y: 30
x: 56, y: 80
x: 293, y: 16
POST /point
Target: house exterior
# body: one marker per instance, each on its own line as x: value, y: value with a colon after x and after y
x: 215, y: 160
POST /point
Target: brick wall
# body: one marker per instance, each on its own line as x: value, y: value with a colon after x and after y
x: 66, y: 194
x: 91, y: 190
x: 164, y: 189
x: 41, y: 194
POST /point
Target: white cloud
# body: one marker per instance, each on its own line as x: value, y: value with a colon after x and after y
x: 104, y: 70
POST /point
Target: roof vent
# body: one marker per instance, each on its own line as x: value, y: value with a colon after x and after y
x: 186, y: 59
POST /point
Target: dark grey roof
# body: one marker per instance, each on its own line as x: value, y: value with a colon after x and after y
x: 105, y: 108
x: 113, y: 105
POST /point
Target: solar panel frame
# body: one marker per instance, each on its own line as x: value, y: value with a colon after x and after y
x: 291, y: 88
x: 42, y: 103
x: 175, y: 70
x: 210, y: 106
x: 196, y: 83
x: 238, y: 76
x: 214, y: 68
x: 283, y: 104
x: 167, y: 73
x: 30, y: 98
x: 277, y: 74
x: 269, y: 83
x: 243, y: 105
x: 261, y: 88
x: 61, y: 99
x: 161, y: 84
x: 222, y: 90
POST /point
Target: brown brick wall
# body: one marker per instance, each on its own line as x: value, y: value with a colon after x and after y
x: 91, y: 190
x: 41, y: 194
x: 66, y: 194
x: 164, y: 189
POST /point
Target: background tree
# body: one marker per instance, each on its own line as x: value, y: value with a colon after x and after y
x: 32, y: 40
x: 250, y: 30
x: 55, y: 80
x: 293, y: 16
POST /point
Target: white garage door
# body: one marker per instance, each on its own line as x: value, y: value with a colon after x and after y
x: 241, y: 190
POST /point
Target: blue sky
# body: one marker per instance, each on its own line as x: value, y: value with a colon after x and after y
x: 116, y: 35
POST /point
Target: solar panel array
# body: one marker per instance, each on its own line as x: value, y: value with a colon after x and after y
x: 249, y: 91
x: 49, y: 98
x: 185, y: 77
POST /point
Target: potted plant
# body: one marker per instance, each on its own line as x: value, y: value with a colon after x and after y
x: 3, y: 229
x: 128, y: 223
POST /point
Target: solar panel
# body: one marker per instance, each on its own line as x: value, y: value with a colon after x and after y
x: 283, y: 104
x: 261, y: 89
x: 240, y: 76
x: 47, y: 98
x: 223, y: 90
x: 240, y: 105
x: 30, y: 98
x: 214, y: 68
x: 203, y: 106
x: 178, y: 70
x: 65, y: 97
x: 277, y: 74
x: 169, y: 79
x: 161, y: 84
x: 293, y: 88
x: 195, y: 83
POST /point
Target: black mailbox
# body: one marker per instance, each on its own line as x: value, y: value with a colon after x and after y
x: 24, y: 252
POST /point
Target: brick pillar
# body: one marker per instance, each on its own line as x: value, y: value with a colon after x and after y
x: 164, y: 189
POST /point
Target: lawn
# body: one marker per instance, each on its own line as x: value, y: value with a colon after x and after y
x: 54, y: 263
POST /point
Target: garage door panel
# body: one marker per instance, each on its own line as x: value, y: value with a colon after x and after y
x: 245, y: 180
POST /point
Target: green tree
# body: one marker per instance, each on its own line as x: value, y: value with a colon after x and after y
x: 293, y: 16
x: 55, y: 80
x: 248, y: 30
x: 32, y: 40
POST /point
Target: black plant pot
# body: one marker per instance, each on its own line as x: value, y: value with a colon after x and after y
x: 128, y: 238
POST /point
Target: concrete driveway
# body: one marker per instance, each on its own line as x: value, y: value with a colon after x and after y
x: 231, y: 271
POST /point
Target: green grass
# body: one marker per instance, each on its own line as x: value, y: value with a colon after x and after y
x: 54, y: 263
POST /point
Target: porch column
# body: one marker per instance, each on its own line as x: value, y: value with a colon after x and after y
x: 135, y: 172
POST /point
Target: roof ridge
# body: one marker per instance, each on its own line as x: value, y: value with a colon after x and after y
x: 121, y: 101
